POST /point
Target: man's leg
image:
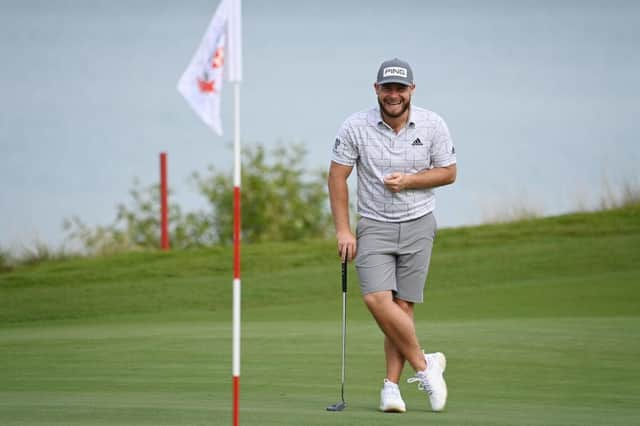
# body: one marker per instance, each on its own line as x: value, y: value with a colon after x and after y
x: 397, y: 325
x: 394, y: 358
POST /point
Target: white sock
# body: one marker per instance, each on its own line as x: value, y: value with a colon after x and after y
x: 388, y: 382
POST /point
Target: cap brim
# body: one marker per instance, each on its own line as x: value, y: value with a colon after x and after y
x: 394, y: 80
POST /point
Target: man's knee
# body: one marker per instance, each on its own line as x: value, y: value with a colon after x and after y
x: 376, y: 299
x: 407, y: 307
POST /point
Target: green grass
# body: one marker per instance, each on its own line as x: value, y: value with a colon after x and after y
x: 540, y: 321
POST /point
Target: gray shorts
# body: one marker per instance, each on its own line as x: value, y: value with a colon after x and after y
x: 395, y: 256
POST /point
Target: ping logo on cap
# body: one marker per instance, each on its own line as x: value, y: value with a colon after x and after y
x: 394, y: 72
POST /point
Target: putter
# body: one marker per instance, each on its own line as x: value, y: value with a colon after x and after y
x: 341, y: 405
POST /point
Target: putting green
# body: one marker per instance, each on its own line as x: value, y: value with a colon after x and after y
x: 151, y: 372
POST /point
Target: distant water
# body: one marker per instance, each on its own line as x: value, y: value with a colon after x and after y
x: 542, y: 100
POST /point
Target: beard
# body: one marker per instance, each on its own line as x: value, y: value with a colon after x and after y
x: 386, y: 112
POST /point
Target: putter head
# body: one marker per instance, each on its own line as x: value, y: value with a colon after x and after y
x: 338, y: 406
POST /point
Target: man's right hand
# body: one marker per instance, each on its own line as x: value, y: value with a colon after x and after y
x: 346, y: 245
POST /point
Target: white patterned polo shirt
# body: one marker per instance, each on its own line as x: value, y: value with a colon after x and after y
x: 367, y: 142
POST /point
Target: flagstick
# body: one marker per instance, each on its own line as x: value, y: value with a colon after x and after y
x: 203, y: 95
x: 236, y: 257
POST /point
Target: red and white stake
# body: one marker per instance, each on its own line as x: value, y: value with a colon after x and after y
x: 234, y: 33
x: 236, y: 258
x: 209, y: 57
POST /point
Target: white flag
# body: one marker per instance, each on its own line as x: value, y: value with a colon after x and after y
x: 201, y: 82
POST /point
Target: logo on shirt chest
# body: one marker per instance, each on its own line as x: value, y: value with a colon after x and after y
x: 417, y: 142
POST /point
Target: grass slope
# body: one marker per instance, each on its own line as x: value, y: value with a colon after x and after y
x: 540, y: 321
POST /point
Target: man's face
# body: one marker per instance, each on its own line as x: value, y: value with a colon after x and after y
x: 394, y: 98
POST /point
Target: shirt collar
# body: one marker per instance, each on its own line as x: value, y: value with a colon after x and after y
x: 375, y: 118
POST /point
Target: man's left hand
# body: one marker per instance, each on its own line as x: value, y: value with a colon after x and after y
x: 396, y: 182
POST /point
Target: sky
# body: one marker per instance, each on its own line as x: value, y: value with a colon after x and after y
x: 541, y: 98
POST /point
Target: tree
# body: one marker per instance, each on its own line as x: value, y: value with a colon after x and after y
x: 280, y: 202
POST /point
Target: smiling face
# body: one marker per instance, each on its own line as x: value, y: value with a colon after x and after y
x: 394, y: 99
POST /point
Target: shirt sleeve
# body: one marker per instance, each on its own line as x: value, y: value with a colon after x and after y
x: 443, y: 153
x: 344, y: 151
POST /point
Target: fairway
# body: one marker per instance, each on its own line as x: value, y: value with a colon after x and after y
x: 540, y: 322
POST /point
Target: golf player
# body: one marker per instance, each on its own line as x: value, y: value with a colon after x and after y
x: 401, y: 152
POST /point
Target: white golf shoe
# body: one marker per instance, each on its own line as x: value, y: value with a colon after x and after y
x: 432, y: 380
x: 390, y: 398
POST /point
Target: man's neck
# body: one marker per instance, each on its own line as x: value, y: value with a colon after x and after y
x: 396, y: 123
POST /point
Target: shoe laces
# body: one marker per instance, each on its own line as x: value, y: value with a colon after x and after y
x: 423, y: 383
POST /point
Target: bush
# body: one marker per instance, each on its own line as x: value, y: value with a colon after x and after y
x: 6, y: 262
x: 137, y: 226
x: 280, y: 202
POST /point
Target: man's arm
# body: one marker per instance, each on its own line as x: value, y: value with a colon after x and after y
x: 431, y: 178
x: 339, y: 198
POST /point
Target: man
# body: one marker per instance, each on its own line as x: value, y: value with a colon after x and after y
x: 401, y: 153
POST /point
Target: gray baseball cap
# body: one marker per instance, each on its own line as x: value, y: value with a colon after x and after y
x: 395, y: 71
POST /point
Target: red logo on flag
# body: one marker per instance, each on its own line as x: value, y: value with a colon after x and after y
x: 206, y: 86
x: 218, y: 58
x: 215, y: 61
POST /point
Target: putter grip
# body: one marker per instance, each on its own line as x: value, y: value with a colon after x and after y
x: 344, y: 276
